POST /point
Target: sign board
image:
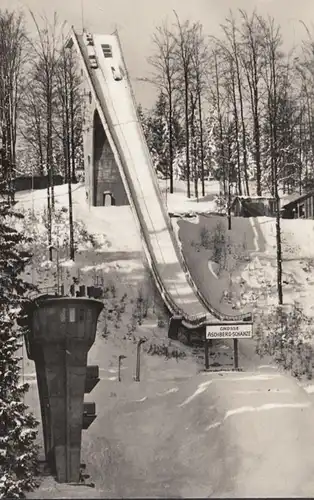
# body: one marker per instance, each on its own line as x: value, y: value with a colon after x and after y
x: 241, y: 330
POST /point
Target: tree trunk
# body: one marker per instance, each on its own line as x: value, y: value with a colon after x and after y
x: 229, y: 184
x: 65, y: 148
x: 194, y: 159
x: 200, y: 117
x: 170, y: 125
x: 257, y: 152
x: 68, y: 124
x: 245, y: 162
x: 40, y: 149
x: 223, y: 161
x: 278, y: 244
x: 187, y: 133
x: 236, y: 124
x: 274, y: 120
x: 73, y: 148
x: 50, y: 193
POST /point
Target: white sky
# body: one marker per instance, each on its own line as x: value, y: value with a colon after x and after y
x: 137, y: 19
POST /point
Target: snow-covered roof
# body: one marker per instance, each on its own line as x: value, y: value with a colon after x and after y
x: 245, y: 197
x: 297, y: 199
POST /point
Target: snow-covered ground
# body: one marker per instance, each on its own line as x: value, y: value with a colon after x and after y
x: 116, y: 231
x: 298, y: 263
x: 109, y: 222
x: 118, y: 260
x: 115, y: 226
x: 178, y: 201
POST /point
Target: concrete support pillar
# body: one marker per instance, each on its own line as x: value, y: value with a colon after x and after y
x: 62, y: 332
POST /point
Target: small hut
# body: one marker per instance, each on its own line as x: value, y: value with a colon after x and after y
x: 253, y: 206
x: 301, y: 207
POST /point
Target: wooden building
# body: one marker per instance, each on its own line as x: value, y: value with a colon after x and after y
x: 253, y: 206
x: 301, y: 207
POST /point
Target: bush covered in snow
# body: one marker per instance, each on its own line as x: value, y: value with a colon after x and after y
x: 221, y: 204
x: 38, y: 222
x: 279, y: 334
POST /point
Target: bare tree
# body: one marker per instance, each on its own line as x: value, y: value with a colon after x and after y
x: 184, y: 48
x: 165, y: 68
x: 12, y: 58
x: 251, y: 57
x: 231, y: 34
x: 45, y: 63
x: 230, y: 83
x: 71, y: 118
x: 272, y: 77
x: 304, y: 67
x: 32, y: 127
x: 216, y: 99
x: 193, y: 134
x: 200, y: 59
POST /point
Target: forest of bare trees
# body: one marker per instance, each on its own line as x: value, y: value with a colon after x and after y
x: 245, y: 106
x: 41, y: 106
x: 236, y: 107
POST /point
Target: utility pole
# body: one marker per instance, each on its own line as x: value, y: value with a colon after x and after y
x: 121, y: 357
x: 138, y: 362
x: 51, y: 247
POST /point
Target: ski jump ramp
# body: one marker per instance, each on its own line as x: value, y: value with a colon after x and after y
x: 102, y: 61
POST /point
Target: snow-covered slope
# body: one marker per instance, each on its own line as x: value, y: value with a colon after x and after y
x: 298, y: 264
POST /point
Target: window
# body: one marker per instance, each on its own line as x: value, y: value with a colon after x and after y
x: 90, y: 97
x: 63, y: 315
x: 50, y: 311
x: 72, y: 315
x: 81, y: 315
x: 107, y: 50
x: 272, y: 206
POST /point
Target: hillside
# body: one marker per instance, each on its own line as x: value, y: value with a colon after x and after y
x: 133, y: 310
x: 170, y: 371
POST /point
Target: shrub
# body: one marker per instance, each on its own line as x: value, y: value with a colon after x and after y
x: 205, y: 238
x: 165, y: 350
x: 279, y: 336
x: 161, y: 322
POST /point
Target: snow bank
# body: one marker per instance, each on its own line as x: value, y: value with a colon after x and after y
x: 260, y: 275
x: 178, y: 201
x: 297, y: 237
x: 114, y: 226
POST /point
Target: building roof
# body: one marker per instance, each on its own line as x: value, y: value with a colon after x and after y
x: 299, y: 198
x: 251, y: 198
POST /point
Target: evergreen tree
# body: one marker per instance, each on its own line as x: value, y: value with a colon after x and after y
x: 155, y: 124
x: 18, y: 452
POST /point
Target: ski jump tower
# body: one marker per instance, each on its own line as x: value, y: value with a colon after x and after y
x: 102, y: 178
x: 61, y: 332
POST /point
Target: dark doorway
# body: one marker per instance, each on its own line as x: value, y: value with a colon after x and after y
x: 108, y: 199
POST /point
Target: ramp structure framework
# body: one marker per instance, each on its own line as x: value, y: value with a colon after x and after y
x: 116, y: 107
